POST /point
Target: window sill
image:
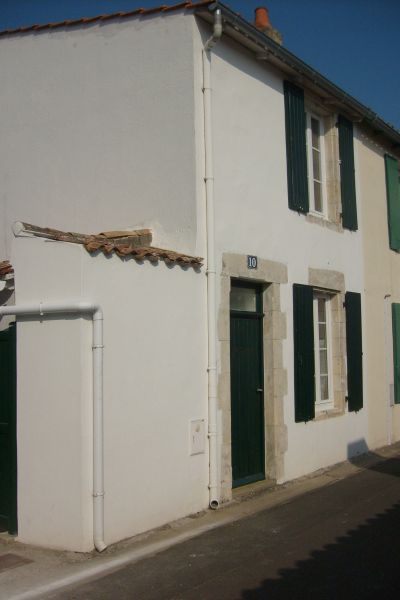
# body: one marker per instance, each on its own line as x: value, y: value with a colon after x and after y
x: 328, y: 413
x: 324, y: 222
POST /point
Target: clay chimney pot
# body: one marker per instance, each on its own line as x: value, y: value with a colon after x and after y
x: 262, y: 21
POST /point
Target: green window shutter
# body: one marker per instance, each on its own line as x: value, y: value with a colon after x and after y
x: 347, y: 178
x: 396, y: 350
x: 296, y: 152
x: 393, y: 201
x: 304, y: 369
x: 354, y: 351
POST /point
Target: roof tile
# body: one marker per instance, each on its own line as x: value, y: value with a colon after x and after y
x: 6, y: 268
x: 116, y: 15
x: 134, y: 243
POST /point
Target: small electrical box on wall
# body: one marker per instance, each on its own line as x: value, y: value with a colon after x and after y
x: 197, y: 437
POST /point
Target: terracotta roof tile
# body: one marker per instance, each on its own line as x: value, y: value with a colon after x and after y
x: 134, y: 243
x: 98, y: 18
x: 6, y: 268
x: 143, y: 253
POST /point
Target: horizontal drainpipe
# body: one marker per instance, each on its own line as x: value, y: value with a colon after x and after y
x: 211, y: 267
x: 79, y: 308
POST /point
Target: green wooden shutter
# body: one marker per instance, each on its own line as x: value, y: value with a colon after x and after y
x: 296, y: 152
x: 354, y: 351
x: 393, y: 201
x: 304, y: 368
x: 396, y: 350
x: 347, y: 178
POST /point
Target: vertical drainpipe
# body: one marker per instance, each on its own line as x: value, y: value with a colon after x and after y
x: 387, y: 300
x: 211, y: 266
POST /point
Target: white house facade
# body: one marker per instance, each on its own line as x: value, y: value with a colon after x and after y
x: 187, y: 217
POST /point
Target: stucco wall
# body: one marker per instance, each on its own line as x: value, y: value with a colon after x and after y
x: 154, y: 384
x: 54, y: 418
x: 382, y: 288
x: 252, y: 217
x: 96, y: 129
x: 97, y: 133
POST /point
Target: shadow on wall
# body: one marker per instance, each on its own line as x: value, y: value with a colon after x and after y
x: 359, y: 455
x: 356, y: 448
x: 363, y: 564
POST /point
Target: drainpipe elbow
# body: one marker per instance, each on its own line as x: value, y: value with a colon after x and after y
x: 100, y: 545
x: 217, y: 31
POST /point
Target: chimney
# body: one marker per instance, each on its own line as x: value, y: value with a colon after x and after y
x: 263, y: 23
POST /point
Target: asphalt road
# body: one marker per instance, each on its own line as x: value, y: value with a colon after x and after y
x: 340, y: 541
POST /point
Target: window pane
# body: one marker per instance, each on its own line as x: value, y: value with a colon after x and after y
x: 321, y: 310
x: 315, y: 132
x: 317, y: 196
x: 316, y: 159
x: 324, y: 387
x: 243, y: 299
x: 323, y: 362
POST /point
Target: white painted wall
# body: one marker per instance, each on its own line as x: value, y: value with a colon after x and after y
x: 154, y: 385
x: 97, y: 133
x: 252, y: 217
x: 382, y: 288
x: 96, y: 129
x: 54, y: 412
x: 155, y: 382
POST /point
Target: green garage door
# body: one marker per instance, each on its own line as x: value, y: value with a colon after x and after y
x: 8, y: 437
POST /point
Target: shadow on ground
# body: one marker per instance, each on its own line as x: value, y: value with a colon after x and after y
x: 363, y: 564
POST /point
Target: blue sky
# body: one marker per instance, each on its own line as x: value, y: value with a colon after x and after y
x: 352, y: 42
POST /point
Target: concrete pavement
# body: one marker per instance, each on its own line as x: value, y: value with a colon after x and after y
x: 331, y: 535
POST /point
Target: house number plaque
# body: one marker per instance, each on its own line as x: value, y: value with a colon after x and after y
x: 252, y: 262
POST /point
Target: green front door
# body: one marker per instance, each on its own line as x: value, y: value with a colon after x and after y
x: 8, y: 437
x: 247, y: 396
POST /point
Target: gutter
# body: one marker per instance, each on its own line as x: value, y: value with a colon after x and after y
x: 249, y: 36
x: 41, y: 309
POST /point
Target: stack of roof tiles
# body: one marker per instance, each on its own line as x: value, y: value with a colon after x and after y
x: 134, y: 243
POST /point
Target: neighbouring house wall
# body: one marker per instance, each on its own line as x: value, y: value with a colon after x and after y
x: 96, y: 129
x: 54, y: 418
x: 155, y: 384
x: 382, y: 288
x: 252, y: 217
x: 97, y: 134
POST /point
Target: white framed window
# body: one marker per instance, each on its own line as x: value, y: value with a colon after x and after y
x: 316, y: 164
x: 323, y: 350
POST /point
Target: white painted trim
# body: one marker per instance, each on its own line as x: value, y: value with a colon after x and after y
x: 310, y: 170
x: 322, y: 405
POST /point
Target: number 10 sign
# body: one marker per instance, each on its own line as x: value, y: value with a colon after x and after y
x: 252, y: 262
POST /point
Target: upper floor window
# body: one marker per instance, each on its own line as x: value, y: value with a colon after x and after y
x: 393, y: 201
x: 306, y: 161
x: 316, y: 164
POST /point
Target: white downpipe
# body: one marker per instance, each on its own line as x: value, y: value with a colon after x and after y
x: 389, y: 361
x: 47, y: 308
x: 211, y: 267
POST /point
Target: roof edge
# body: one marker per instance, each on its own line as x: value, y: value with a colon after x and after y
x: 139, y: 12
x: 286, y: 60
